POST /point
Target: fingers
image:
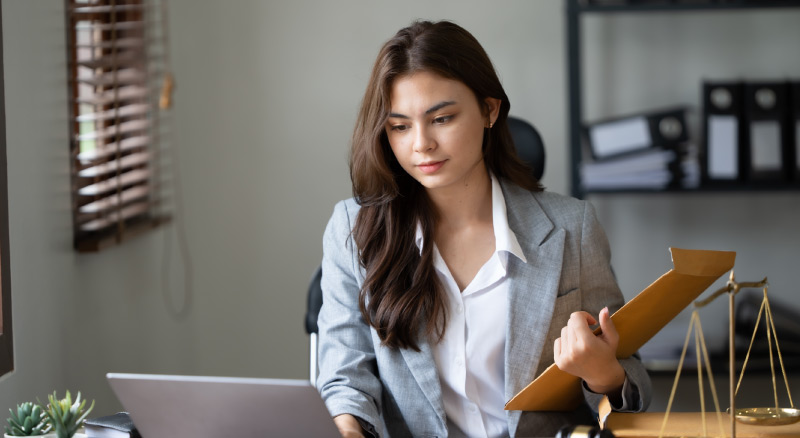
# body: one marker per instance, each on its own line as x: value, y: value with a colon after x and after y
x: 580, y: 353
x: 579, y: 323
x: 573, y: 335
x: 607, y: 326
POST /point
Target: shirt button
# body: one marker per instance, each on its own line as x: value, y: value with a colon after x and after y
x: 459, y: 308
x: 459, y: 362
x: 473, y: 409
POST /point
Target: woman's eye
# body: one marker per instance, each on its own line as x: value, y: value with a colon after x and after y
x: 442, y: 119
x: 399, y: 128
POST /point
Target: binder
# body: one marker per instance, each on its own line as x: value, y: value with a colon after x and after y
x: 630, y: 134
x: 724, y: 133
x: 118, y: 425
x: 652, y: 169
x: 795, y: 127
x: 770, y: 154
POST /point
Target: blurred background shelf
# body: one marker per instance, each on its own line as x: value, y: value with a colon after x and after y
x: 578, y: 9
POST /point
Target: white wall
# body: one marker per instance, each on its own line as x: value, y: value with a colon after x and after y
x: 265, y: 103
x: 75, y: 317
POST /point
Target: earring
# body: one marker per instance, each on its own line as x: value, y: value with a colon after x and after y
x: 490, y: 125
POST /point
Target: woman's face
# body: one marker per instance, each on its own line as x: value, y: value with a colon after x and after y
x: 435, y: 128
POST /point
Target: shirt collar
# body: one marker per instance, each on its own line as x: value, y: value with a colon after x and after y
x: 504, y: 237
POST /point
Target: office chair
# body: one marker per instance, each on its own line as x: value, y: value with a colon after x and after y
x: 529, y: 145
x: 313, y: 304
x: 530, y: 149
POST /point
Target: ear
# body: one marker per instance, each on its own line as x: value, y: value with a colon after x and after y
x: 492, y: 109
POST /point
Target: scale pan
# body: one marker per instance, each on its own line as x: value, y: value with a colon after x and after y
x: 768, y: 416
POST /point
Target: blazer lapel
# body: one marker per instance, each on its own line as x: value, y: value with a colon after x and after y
x: 532, y: 291
x: 423, y: 368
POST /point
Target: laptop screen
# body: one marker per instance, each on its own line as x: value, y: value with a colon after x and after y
x: 214, y: 407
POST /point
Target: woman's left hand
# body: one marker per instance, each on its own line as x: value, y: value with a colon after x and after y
x: 592, y: 358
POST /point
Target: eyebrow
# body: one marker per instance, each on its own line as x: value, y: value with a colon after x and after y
x: 436, y: 107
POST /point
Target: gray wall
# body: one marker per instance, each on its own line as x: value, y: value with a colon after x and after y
x: 265, y: 103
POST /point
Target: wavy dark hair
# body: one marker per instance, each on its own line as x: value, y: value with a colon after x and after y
x: 401, y: 296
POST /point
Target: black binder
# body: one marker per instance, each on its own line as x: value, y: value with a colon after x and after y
x: 724, y: 133
x: 619, y: 136
x: 117, y: 425
x: 770, y: 154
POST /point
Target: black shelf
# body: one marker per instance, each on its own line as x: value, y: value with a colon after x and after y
x: 685, y: 6
x: 711, y: 188
x: 575, y: 9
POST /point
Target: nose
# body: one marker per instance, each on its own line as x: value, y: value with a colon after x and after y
x: 423, y: 140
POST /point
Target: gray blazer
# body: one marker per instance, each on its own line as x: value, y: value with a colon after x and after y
x: 398, y: 390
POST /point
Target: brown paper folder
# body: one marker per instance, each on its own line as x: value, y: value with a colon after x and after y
x: 637, y: 321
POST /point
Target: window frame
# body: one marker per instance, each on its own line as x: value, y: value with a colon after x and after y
x: 6, y: 329
x: 118, y: 227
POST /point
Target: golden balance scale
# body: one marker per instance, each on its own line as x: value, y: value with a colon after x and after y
x: 763, y: 416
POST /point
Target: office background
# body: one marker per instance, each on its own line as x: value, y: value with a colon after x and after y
x: 267, y: 93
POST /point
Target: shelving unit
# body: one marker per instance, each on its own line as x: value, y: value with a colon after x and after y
x: 575, y: 10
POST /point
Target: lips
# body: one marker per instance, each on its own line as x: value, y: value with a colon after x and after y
x: 430, y: 166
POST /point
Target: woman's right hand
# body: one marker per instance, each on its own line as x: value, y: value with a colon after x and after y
x: 348, y: 426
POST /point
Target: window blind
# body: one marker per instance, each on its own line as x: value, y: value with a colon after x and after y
x: 117, y: 73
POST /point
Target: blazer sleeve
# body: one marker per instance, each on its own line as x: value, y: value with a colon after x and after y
x: 348, y: 379
x: 598, y: 280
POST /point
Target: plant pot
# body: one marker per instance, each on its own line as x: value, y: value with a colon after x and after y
x: 47, y: 435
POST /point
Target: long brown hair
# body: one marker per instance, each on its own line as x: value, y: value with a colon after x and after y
x: 401, y: 297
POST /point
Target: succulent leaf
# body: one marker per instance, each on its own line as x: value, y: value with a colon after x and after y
x: 29, y: 419
x: 65, y: 416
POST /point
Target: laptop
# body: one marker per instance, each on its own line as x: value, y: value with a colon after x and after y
x: 164, y: 406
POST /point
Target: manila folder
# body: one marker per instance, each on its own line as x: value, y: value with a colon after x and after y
x: 637, y: 321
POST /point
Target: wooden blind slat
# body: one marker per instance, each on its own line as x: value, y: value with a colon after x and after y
x: 119, y: 25
x: 111, y: 148
x: 125, y: 93
x: 136, y: 109
x: 123, y: 58
x: 123, y: 76
x: 121, y: 43
x: 105, y: 9
x: 110, y: 202
x: 112, y: 131
x: 111, y: 184
x: 126, y: 162
x: 113, y: 218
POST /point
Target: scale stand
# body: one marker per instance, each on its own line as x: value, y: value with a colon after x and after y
x: 766, y: 416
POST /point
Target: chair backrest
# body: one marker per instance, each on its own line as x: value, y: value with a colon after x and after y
x: 529, y: 147
x: 314, y: 302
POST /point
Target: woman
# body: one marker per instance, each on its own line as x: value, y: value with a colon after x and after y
x: 451, y: 280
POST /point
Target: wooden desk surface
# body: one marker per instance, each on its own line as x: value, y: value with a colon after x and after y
x: 690, y: 424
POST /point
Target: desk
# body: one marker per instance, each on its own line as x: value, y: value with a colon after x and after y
x: 689, y: 424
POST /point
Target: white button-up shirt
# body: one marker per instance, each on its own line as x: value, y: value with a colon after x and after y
x: 470, y: 358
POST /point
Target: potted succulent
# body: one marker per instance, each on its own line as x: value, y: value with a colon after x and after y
x: 29, y: 420
x: 67, y: 417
